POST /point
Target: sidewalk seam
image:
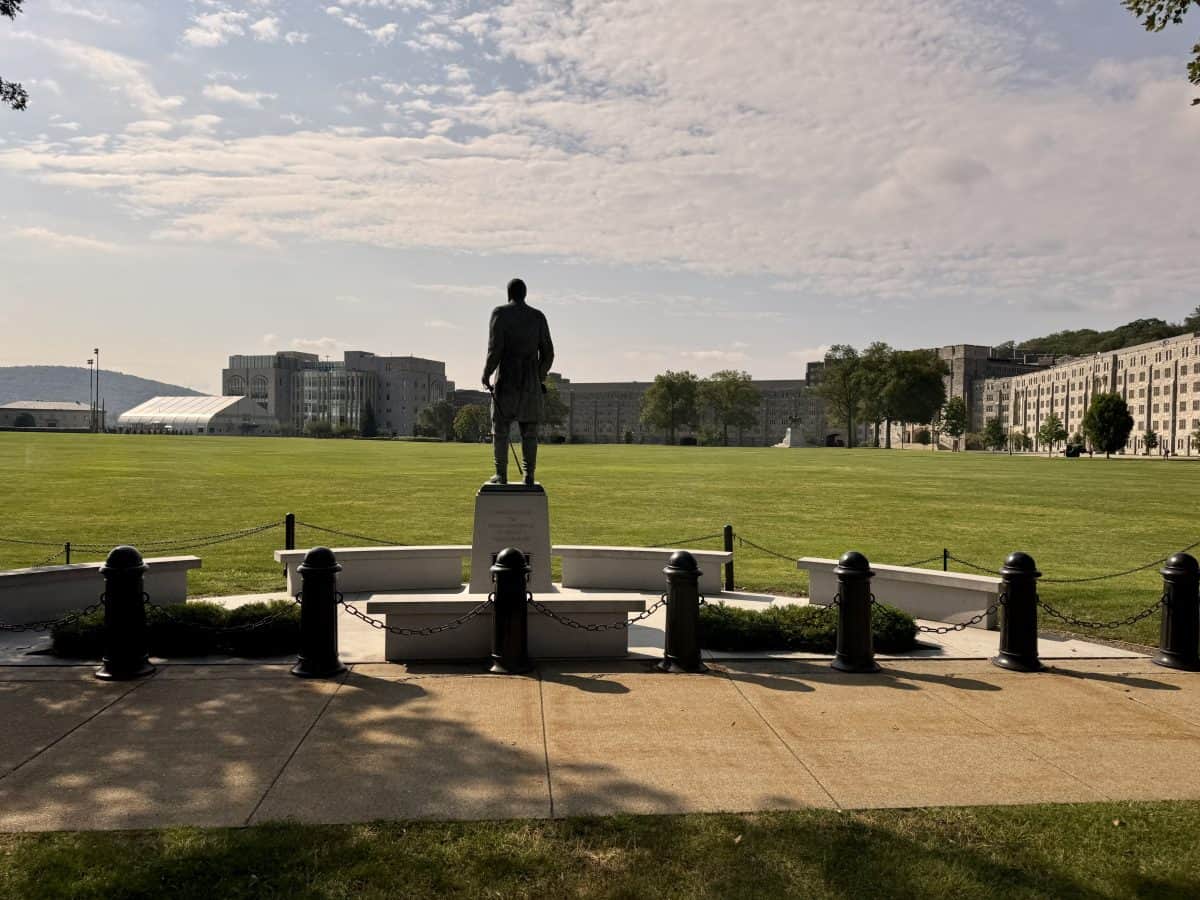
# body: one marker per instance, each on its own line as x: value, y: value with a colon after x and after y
x: 779, y: 737
x: 69, y: 732
x: 545, y: 743
x: 287, y: 762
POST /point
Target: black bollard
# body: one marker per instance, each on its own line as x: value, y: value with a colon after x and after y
x: 126, y: 641
x: 682, y: 646
x: 510, y: 613
x: 289, y: 531
x: 1019, y: 617
x: 318, y: 656
x: 727, y: 535
x: 855, y: 639
x: 1179, y: 642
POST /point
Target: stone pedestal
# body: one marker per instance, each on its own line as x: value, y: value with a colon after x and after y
x: 511, y: 515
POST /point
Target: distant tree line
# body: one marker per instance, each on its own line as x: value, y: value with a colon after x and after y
x: 712, y: 406
x: 1085, y: 341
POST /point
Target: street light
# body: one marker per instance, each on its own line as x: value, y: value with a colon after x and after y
x: 91, y: 395
x: 97, y: 406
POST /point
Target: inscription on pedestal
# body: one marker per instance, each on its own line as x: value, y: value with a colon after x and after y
x: 511, y: 519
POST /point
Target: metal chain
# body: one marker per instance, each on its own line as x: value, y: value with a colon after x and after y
x: 971, y: 565
x: 153, y: 607
x: 48, y: 624
x: 744, y: 542
x: 350, y: 534
x: 837, y: 600
x: 594, y: 626
x: 49, y: 559
x: 921, y: 562
x: 1084, y: 623
x: 415, y: 632
x: 961, y: 626
x: 695, y: 540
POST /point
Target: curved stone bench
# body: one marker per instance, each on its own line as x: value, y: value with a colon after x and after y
x: 632, y: 568
x: 429, y: 568
x: 28, y: 595
x: 927, y: 594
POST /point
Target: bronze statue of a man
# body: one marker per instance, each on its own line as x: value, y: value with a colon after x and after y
x: 521, y: 353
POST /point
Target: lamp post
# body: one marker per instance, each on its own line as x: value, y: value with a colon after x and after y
x: 91, y: 400
x: 97, y: 407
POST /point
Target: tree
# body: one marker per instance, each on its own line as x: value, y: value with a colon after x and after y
x: 670, y: 402
x: 841, y: 387
x: 370, y: 427
x: 954, y: 418
x: 731, y: 399
x: 877, y: 377
x: 472, y: 423
x: 994, y: 437
x: 1150, y: 439
x: 554, y: 408
x: 1157, y: 15
x: 1108, y: 423
x: 318, y: 428
x: 918, y: 387
x: 11, y: 93
x: 1051, y: 431
x: 437, y: 420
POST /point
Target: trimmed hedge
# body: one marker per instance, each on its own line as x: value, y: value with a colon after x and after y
x: 194, y: 629
x: 811, y: 628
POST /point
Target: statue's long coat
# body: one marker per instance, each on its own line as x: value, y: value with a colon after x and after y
x: 520, y: 350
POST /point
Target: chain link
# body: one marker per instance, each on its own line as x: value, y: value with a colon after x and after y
x: 695, y: 540
x: 962, y: 626
x: 745, y: 542
x: 380, y: 625
x: 1119, y: 623
x: 49, y: 559
x: 48, y: 624
x: 350, y: 534
x: 595, y: 626
x: 921, y: 562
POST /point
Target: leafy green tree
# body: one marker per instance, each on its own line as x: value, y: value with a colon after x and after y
x: 1157, y: 15
x: 554, y: 408
x: 670, y: 403
x: 732, y: 400
x: 1051, y: 431
x: 11, y: 93
x: 954, y: 418
x: 472, y: 423
x: 1108, y: 423
x: 917, y: 391
x: 994, y: 437
x: 370, y: 426
x: 841, y: 387
x: 877, y: 377
x: 437, y: 420
x: 318, y: 428
x: 1150, y: 439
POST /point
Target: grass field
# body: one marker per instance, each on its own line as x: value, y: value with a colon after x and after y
x: 1090, y: 851
x: 1077, y: 517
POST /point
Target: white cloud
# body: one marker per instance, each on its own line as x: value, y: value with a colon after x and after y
x: 323, y: 346
x: 224, y: 93
x: 266, y: 29
x: 383, y: 35
x: 440, y: 324
x: 44, y: 237
x: 88, y: 12
x: 149, y: 126
x: 716, y: 355
x: 215, y: 28
x: 297, y: 37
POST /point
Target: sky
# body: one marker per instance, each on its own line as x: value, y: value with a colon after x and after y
x: 705, y: 185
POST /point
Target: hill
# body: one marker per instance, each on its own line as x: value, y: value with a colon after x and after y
x: 119, y: 391
x: 1084, y: 341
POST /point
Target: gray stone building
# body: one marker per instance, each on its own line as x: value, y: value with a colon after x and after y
x: 297, y: 388
x: 62, y: 415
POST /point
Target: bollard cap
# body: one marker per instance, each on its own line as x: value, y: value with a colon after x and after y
x: 1181, y: 564
x: 123, y: 560
x: 1019, y: 563
x: 318, y: 561
x: 683, y: 564
x: 510, y: 559
x: 853, y: 565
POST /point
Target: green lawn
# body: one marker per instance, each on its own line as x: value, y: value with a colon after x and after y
x: 1090, y: 851
x: 1077, y: 517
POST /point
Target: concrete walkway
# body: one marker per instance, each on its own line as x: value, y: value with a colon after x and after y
x: 231, y: 745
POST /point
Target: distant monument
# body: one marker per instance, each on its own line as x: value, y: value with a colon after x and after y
x: 520, y: 353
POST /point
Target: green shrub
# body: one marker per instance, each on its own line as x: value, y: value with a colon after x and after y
x: 280, y: 637
x: 186, y: 630
x: 82, y: 638
x: 810, y: 628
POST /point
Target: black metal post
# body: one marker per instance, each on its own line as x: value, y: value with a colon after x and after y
x: 510, y: 613
x: 67, y: 552
x: 1019, y: 615
x: 126, y: 646
x: 289, y: 531
x: 318, y: 656
x: 945, y: 560
x: 682, y: 647
x: 1179, y: 641
x: 855, y: 640
x: 728, y: 534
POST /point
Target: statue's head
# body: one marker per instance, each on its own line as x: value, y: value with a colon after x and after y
x: 516, y: 291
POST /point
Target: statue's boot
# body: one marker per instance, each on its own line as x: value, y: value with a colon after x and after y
x: 500, y: 452
x: 529, y: 448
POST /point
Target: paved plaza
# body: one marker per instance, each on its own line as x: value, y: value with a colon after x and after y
x: 240, y: 744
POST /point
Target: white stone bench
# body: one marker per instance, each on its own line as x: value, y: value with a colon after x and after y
x: 387, y: 568
x: 632, y: 568
x: 28, y: 595
x: 548, y: 639
x: 927, y: 594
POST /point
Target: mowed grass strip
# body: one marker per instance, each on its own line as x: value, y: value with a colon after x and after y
x: 1094, y: 851
x: 1077, y: 517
